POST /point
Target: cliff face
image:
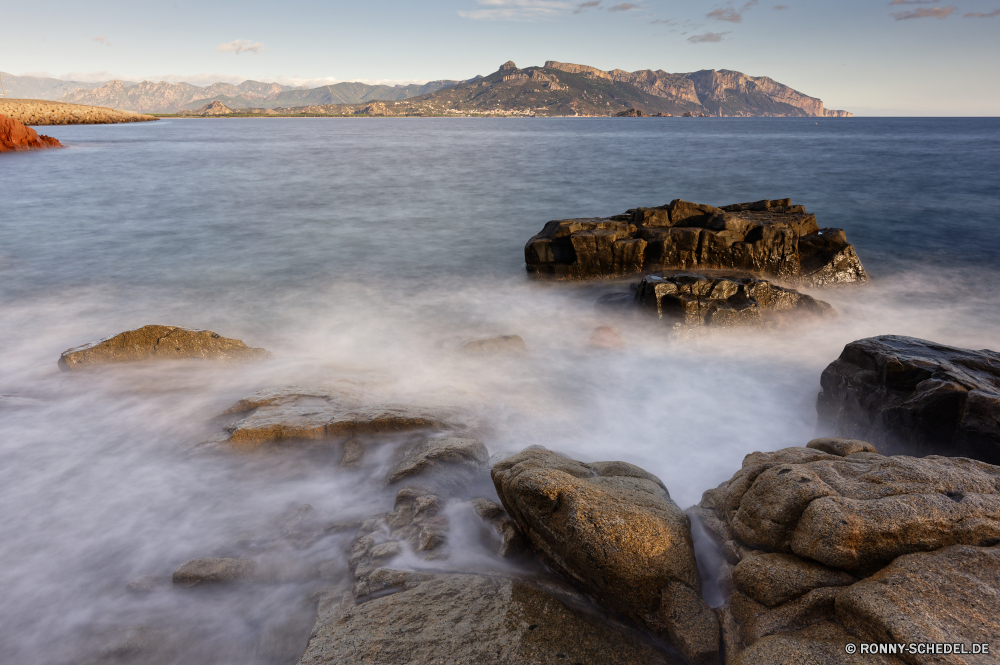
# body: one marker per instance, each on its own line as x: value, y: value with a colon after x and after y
x: 731, y: 92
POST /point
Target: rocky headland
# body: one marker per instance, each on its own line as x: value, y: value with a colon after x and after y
x: 43, y: 112
x: 14, y: 137
x: 769, y: 238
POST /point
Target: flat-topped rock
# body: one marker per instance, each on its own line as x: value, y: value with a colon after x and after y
x: 155, y: 342
x: 767, y: 238
x: 295, y: 413
x: 915, y: 397
x: 694, y: 299
x: 612, y: 529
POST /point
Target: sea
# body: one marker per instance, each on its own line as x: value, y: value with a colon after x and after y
x: 369, y: 249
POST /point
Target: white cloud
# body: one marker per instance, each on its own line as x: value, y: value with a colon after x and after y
x: 240, y: 46
x: 623, y: 7
x: 707, y: 37
x: 584, y: 6
x: 518, y: 10
x: 995, y: 12
x: 928, y: 12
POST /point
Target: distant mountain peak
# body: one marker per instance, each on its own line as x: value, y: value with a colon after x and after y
x: 507, y: 65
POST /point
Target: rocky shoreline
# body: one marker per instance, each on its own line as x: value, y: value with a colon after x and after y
x: 15, y: 137
x: 43, y: 112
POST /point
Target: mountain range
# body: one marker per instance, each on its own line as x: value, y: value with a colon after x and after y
x: 555, y: 89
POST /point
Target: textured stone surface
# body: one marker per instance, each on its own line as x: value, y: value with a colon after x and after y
x: 951, y: 595
x: 694, y: 299
x: 156, y: 342
x: 44, y: 112
x: 449, y: 464
x: 822, y: 643
x: 841, y: 447
x: 474, y: 619
x: 202, y: 572
x: 611, y: 528
x: 774, y: 579
x: 288, y: 414
x: 767, y: 238
x: 911, y: 396
x: 14, y: 136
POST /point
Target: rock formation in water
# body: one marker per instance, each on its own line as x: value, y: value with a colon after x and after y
x: 154, y: 342
x: 631, y: 113
x: 834, y: 544
x: 14, y: 136
x: 612, y: 529
x: 915, y: 397
x: 685, y: 300
x: 766, y: 238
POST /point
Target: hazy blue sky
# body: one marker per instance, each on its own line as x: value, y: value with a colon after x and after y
x: 912, y: 57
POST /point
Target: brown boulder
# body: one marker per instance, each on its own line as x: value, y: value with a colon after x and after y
x: 202, y: 572
x: 948, y: 596
x: 155, y: 342
x: 766, y: 238
x: 449, y: 464
x: 15, y: 136
x: 454, y: 618
x: 612, y: 529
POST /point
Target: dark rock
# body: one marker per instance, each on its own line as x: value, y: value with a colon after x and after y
x: 16, y: 136
x: 767, y: 238
x: 203, y: 572
x: 450, y: 618
x: 612, y: 529
x: 692, y: 299
x: 160, y: 343
x: 951, y: 595
x: 841, y: 447
x: 915, y: 397
x: 513, y: 542
x: 630, y: 113
x: 502, y: 345
x: 449, y: 464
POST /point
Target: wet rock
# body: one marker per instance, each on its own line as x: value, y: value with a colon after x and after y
x: 354, y: 453
x: 841, y: 447
x: 149, y: 584
x: 293, y: 414
x: 513, y: 542
x: 605, y: 337
x: 491, y: 346
x: 911, y: 396
x: 18, y: 402
x: 15, y: 136
x: 449, y: 464
x: 155, y: 342
x: 475, y: 619
x: 693, y: 299
x: 768, y: 238
x: 612, y: 529
x: 948, y: 596
x: 204, y: 572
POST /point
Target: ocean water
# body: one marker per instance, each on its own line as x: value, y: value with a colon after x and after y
x: 369, y: 249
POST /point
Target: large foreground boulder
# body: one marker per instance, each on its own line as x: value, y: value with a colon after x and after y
x: 15, y: 136
x: 915, y: 397
x: 694, y: 299
x: 155, y: 342
x: 835, y: 544
x: 452, y: 618
x: 768, y: 238
x: 612, y: 529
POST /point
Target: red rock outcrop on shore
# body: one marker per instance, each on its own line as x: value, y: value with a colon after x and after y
x: 15, y: 136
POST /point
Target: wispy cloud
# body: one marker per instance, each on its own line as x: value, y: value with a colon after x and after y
x: 730, y: 13
x: 102, y: 40
x: 518, y: 10
x: 995, y: 12
x: 664, y: 21
x: 240, y: 46
x: 778, y: 8
x: 623, y: 7
x: 912, y: 2
x: 584, y: 6
x: 925, y: 12
x: 707, y: 37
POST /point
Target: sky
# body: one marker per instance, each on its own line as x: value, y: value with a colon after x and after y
x: 871, y: 57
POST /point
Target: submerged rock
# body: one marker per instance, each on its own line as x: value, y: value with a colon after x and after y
x: 693, y: 299
x: 203, y: 572
x: 294, y: 413
x: 501, y: 345
x: 15, y: 136
x: 612, y: 529
x: 768, y: 238
x: 156, y: 342
x: 487, y: 620
x: 915, y: 397
x: 449, y: 463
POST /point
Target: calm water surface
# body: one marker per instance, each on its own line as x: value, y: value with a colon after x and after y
x: 370, y: 248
